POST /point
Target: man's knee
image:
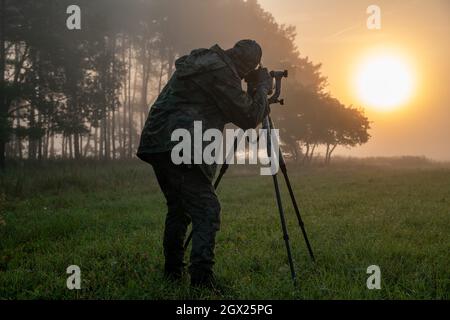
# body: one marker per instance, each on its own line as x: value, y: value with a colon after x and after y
x: 214, y: 213
x: 206, y: 213
x: 200, y: 199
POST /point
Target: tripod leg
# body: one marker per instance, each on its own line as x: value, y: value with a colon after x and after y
x: 297, y: 212
x: 267, y: 126
x: 284, y: 228
x: 294, y: 201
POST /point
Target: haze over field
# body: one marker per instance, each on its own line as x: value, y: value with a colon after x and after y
x: 416, y: 32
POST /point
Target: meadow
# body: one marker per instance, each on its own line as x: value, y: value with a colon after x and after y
x: 108, y: 219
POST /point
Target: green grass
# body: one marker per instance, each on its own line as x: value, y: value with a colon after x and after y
x: 108, y: 219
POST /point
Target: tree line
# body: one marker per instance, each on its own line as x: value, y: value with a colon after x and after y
x: 76, y: 94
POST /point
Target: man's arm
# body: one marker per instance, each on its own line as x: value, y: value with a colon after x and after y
x: 237, y: 105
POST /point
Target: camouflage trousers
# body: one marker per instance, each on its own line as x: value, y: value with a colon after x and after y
x: 190, y: 197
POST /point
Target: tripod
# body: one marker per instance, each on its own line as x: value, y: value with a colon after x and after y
x: 268, y: 126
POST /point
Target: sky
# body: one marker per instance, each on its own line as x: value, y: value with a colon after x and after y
x: 416, y: 32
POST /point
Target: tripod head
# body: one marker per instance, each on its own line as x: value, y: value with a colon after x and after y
x: 278, y: 76
x: 252, y: 78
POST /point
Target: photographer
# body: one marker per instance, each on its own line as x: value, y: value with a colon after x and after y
x: 206, y: 87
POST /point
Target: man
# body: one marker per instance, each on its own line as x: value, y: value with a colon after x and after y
x: 206, y: 87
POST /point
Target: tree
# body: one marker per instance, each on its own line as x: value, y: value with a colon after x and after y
x: 86, y: 93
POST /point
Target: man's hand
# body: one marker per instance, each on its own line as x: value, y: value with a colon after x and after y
x: 260, y: 79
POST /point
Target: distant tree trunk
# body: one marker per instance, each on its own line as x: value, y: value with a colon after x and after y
x: 81, y: 146
x: 119, y: 133
x: 130, y: 111
x: 66, y: 147
x: 113, y: 134
x: 101, y: 139
x: 96, y: 155
x: 122, y: 120
x: 112, y: 100
x: 107, y: 136
x: 326, y: 153
x: 141, y: 117
x: 105, y: 120
x: 170, y: 62
x: 3, y: 103
x: 76, y: 145
x: 46, y: 143
x: 125, y: 101
x: 52, y: 145
x: 292, y: 146
x: 329, y: 153
x: 144, y: 95
x: 32, y: 139
x: 8, y: 151
x: 18, y: 138
x: 306, y: 156
x: 143, y: 92
x: 311, y: 156
x: 88, y: 141
x: 63, y: 146
x: 70, y: 147
x: 160, y: 76
x: 39, y: 146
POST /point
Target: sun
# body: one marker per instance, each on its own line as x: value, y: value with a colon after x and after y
x: 384, y: 81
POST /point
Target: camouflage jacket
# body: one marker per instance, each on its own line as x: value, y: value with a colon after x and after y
x: 204, y: 87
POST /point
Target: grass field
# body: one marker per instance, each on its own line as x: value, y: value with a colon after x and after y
x: 108, y: 219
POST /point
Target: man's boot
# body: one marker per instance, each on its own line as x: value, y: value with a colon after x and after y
x: 173, y: 272
x: 203, y: 278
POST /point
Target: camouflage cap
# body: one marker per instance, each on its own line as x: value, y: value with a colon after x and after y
x: 246, y: 55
